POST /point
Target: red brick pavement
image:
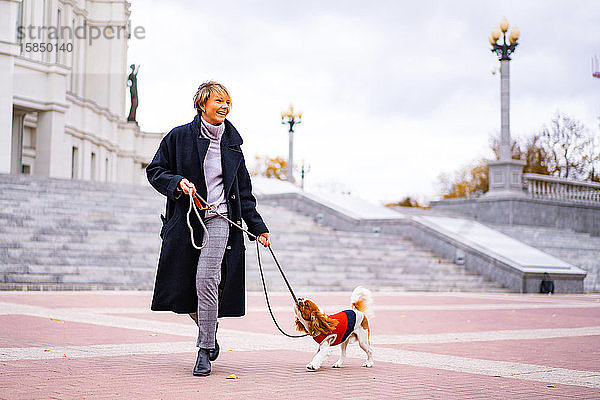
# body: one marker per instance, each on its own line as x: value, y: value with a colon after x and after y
x: 261, y: 374
x: 580, y: 353
x: 40, y: 332
x: 280, y: 374
x: 439, y: 321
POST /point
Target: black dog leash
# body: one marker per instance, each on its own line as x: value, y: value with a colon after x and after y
x: 262, y: 276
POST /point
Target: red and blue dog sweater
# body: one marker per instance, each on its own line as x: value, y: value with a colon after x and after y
x: 346, y: 321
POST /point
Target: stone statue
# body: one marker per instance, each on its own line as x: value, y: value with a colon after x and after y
x: 132, y: 83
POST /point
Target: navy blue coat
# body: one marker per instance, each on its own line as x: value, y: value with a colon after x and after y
x: 181, y: 154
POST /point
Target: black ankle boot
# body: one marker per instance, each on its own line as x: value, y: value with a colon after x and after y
x: 214, y: 353
x: 202, y: 367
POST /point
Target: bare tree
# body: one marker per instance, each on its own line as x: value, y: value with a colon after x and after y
x: 566, y: 149
x: 515, y: 147
x: 535, y: 156
x: 592, y: 158
x: 567, y: 143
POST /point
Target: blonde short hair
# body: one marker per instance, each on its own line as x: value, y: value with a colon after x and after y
x: 205, y: 90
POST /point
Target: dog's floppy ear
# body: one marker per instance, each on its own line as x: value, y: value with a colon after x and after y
x: 320, y: 323
x: 300, y: 326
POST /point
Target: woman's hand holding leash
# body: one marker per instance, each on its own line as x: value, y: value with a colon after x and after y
x: 187, y: 186
x: 263, y: 239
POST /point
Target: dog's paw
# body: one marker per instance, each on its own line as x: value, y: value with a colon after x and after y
x: 312, y: 367
x: 338, y: 364
x: 368, y: 363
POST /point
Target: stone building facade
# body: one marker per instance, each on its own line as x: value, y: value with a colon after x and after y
x: 63, y: 91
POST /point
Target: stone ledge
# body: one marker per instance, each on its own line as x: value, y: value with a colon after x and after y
x: 497, y: 267
x: 576, y: 216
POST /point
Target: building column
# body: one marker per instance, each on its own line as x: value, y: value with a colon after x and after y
x: 53, y: 154
x: 9, y: 49
x: 16, y: 162
x: 6, y: 112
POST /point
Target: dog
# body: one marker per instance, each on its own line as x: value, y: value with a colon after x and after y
x: 340, y: 328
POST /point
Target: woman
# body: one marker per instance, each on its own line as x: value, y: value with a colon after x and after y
x: 204, y: 156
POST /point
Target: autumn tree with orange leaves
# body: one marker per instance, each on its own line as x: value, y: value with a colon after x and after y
x: 270, y: 167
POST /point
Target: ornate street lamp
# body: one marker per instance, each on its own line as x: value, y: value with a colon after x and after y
x: 506, y: 174
x: 291, y: 118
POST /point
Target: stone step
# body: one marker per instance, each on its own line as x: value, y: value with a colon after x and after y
x: 97, y: 275
x: 77, y: 215
x: 566, y: 243
x: 96, y: 231
x: 335, y: 275
x: 151, y: 242
x: 23, y: 286
x: 140, y: 279
x: 293, y: 275
x: 128, y: 241
x: 150, y: 260
x: 124, y: 258
x: 378, y: 286
x: 141, y: 232
x: 283, y: 251
x: 568, y: 251
x: 372, y: 281
x: 543, y: 234
x: 84, y: 211
x: 64, y: 206
x: 152, y: 246
x: 398, y: 266
x: 141, y: 244
x: 34, y: 183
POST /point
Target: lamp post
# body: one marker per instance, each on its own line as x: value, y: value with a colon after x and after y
x: 506, y: 174
x: 291, y: 118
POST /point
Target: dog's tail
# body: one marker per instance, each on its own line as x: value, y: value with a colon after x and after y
x: 362, y: 299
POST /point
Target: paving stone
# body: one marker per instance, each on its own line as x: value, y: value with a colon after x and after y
x: 73, y: 345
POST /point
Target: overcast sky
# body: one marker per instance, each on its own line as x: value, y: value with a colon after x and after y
x: 393, y: 92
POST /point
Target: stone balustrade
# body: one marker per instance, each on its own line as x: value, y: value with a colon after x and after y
x: 549, y: 187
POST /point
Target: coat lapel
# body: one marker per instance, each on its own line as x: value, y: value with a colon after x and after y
x: 231, y: 155
x: 201, y: 143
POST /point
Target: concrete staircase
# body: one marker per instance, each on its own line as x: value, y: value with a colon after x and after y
x: 71, y: 235
x: 319, y: 258
x: 579, y: 249
x: 76, y: 235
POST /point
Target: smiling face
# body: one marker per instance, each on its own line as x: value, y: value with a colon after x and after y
x: 216, y: 108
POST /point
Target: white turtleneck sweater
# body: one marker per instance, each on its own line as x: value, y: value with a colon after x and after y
x: 213, y: 170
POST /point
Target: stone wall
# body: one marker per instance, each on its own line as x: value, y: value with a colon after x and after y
x: 524, y: 211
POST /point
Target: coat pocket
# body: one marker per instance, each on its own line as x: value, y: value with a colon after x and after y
x: 169, y: 224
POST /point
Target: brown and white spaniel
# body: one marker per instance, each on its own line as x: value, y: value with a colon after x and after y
x: 339, y: 328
